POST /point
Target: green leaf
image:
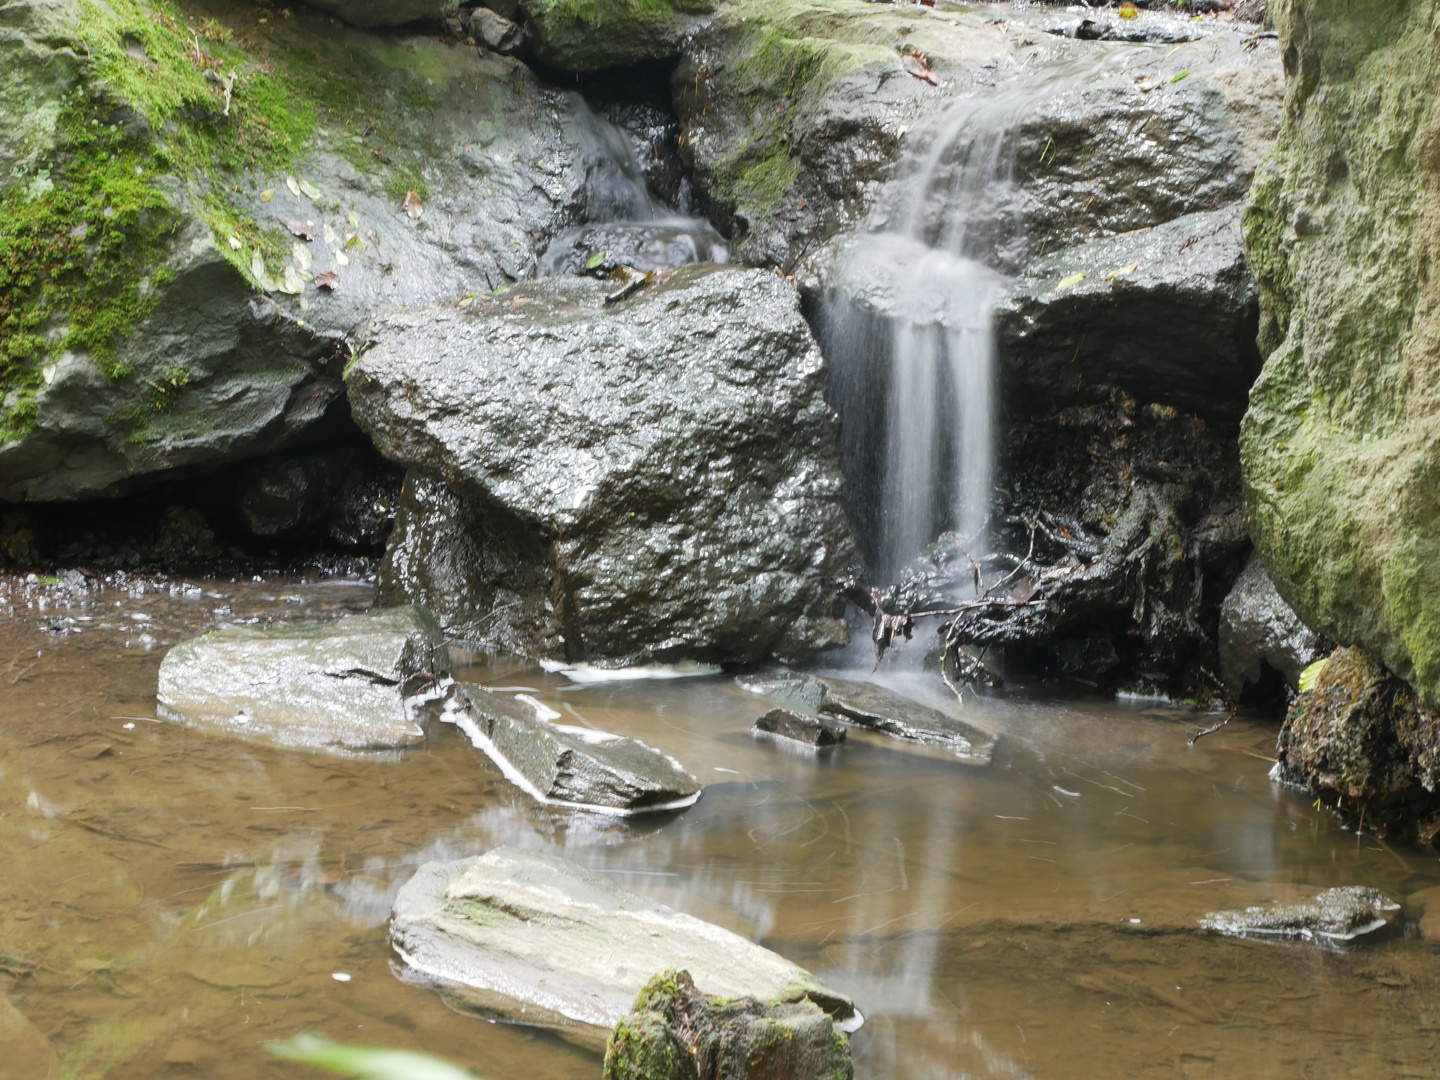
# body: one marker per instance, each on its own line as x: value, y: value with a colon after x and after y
x: 314, y: 192
x: 1311, y: 675
x: 1071, y: 281
x: 367, y: 1062
x: 1121, y: 271
x: 596, y: 260
x: 1179, y: 76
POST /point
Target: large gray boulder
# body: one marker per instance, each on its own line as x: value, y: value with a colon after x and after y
x: 1169, y: 313
x: 341, y: 687
x: 1256, y: 624
x: 565, y: 765
x: 653, y: 479
x: 532, y: 938
x: 226, y: 262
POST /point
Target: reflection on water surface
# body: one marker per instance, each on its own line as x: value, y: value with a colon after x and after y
x: 172, y: 901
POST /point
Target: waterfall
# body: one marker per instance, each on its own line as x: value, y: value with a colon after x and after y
x: 624, y: 223
x: 908, y: 331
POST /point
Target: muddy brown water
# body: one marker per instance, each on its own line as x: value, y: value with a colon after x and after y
x: 171, y: 901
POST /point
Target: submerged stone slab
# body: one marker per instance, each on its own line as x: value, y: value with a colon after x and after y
x: 676, y: 1032
x: 565, y: 765
x: 341, y: 687
x: 1335, y: 916
x: 529, y: 937
x: 801, y: 727
x: 877, y: 708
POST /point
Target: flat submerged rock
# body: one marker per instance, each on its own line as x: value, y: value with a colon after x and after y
x: 566, y: 765
x: 343, y: 686
x: 528, y: 937
x: 1333, y: 917
x: 879, y: 709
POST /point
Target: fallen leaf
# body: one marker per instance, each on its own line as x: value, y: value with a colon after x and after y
x: 302, y: 229
x: 341, y: 259
x: 595, y: 260
x: 1121, y: 272
x: 302, y: 256
x: 412, y: 206
x: 918, y: 68
x: 235, y: 243
x: 1127, y: 11
x: 354, y: 243
x: 327, y: 280
x: 1071, y: 281
x: 310, y: 189
x: 293, y: 185
x: 330, y: 235
x: 267, y: 194
x: 293, y: 284
x: 1179, y: 76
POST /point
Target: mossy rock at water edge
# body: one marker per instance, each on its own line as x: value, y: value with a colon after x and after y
x: 1341, y: 445
x: 676, y: 1032
x: 197, y: 200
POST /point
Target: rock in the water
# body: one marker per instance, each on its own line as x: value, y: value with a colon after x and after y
x: 879, y: 709
x: 646, y: 246
x: 1255, y: 625
x: 800, y: 727
x: 676, y: 1032
x: 1362, y: 734
x: 228, y: 249
x: 1339, y: 444
x: 532, y: 938
x: 654, y: 479
x: 566, y: 765
x: 1168, y: 313
x: 591, y: 35
x: 1335, y: 916
x: 342, y: 687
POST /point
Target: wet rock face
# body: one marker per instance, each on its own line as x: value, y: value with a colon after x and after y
x: 566, y: 765
x: 644, y: 246
x: 1339, y: 443
x: 676, y: 1032
x: 340, y: 687
x: 1362, y: 734
x: 1168, y: 313
x: 531, y: 938
x: 592, y: 35
x: 1336, y: 916
x: 650, y: 480
x: 1257, y: 625
x: 1122, y: 149
x: 387, y: 12
x: 230, y: 344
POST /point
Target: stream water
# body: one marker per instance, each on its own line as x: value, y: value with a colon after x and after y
x: 172, y: 900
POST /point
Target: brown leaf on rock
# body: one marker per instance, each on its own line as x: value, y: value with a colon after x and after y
x: 327, y: 280
x: 917, y: 66
x: 412, y: 206
x: 303, y: 229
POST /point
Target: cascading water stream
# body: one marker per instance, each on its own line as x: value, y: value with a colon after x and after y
x: 624, y: 223
x: 908, y: 331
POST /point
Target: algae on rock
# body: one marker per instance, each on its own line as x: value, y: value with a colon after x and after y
x: 1341, y: 445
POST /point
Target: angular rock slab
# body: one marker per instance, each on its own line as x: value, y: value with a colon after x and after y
x: 531, y: 938
x: 878, y: 709
x: 564, y: 765
x: 654, y: 479
x: 1335, y: 917
x: 798, y: 727
x: 340, y: 687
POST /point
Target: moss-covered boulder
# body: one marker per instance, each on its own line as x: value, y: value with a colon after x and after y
x: 1341, y: 444
x: 387, y: 12
x: 591, y: 35
x: 199, y: 200
x: 676, y: 1032
x: 1362, y: 735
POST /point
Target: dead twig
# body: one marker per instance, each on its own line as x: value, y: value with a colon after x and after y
x: 1211, y: 729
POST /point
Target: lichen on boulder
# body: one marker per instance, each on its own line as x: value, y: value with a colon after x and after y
x: 676, y: 1032
x: 1342, y: 473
